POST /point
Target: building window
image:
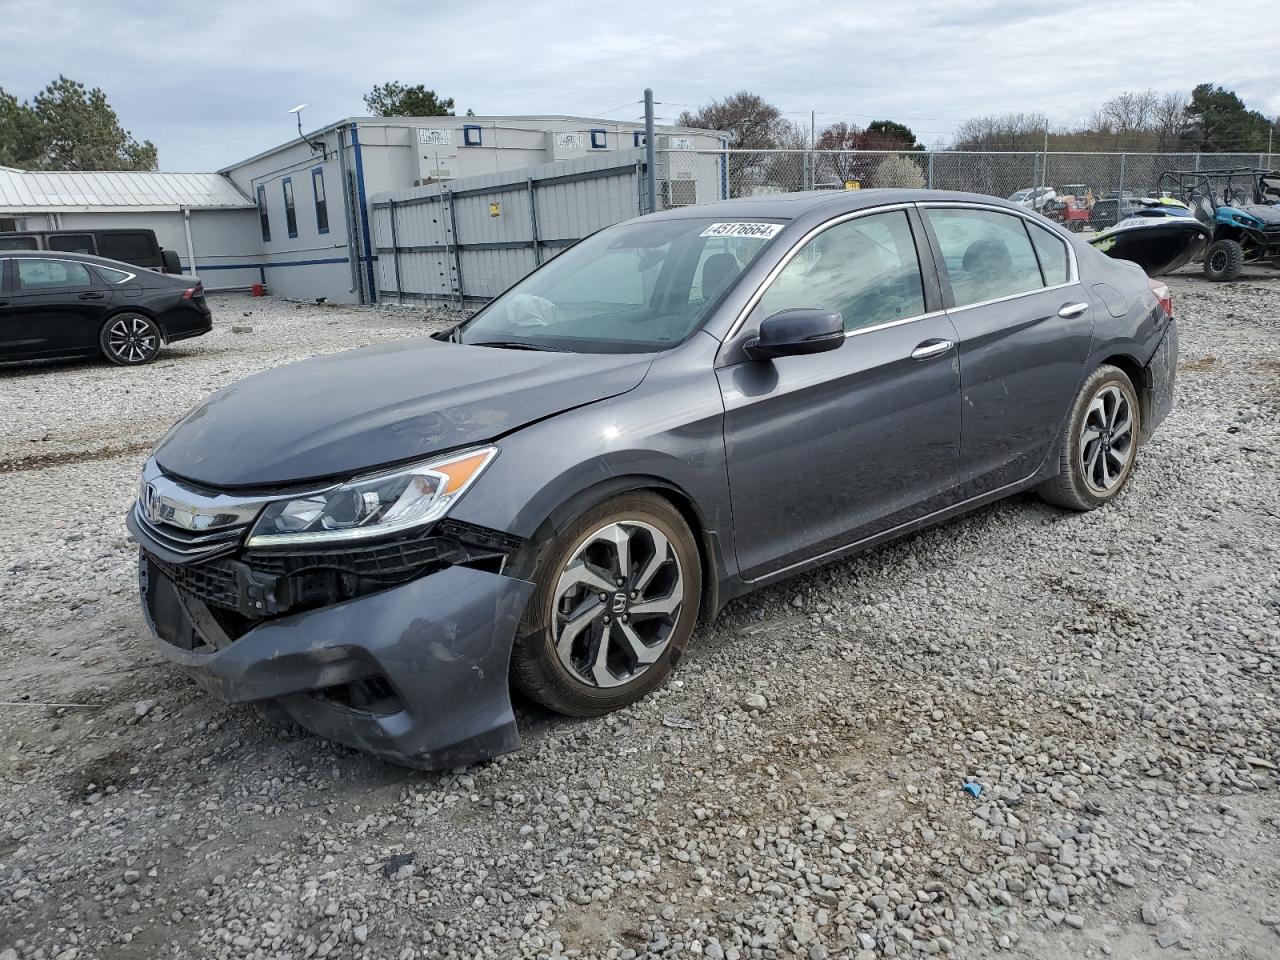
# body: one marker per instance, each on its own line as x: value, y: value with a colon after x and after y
x: 263, y: 219
x: 290, y: 215
x: 599, y: 139
x: 637, y: 138
x: 471, y: 134
x: 322, y: 206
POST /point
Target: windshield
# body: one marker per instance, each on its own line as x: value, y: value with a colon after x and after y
x: 638, y: 287
x: 1021, y: 195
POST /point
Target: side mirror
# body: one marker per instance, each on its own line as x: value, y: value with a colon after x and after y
x: 790, y: 333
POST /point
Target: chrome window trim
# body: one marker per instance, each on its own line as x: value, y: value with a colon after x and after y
x: 127, y: 275
x: 1013, y: 296
x: 790, y: 255
x: 893, y: 323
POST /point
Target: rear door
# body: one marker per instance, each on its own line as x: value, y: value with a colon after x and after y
x: 56, y: 306
x: 830, y: 449
x: 1024, y: 326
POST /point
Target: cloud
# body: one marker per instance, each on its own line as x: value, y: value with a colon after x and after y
x: 211, y: 85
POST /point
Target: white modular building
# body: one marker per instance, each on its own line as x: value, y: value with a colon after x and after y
x: 202, y: 216
x: 297, y: 217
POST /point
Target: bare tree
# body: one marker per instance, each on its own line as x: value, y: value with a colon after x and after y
x: 751, y: 123
x: 1010, y: 131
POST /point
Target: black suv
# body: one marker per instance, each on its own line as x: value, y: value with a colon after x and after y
x: 138, y: 247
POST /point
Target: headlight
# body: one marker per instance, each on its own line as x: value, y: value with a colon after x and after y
x: 373, y: 506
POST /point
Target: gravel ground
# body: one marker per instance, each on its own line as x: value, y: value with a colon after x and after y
x: 1108, y: 683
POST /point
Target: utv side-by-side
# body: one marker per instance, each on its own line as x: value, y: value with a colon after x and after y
x: 1242, y: 208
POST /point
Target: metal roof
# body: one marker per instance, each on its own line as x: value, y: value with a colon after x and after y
x: 131, y: 191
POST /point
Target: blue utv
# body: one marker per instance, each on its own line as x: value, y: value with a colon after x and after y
x: 1240, y: 206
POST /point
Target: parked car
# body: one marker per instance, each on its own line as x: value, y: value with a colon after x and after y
x: 139, y: 248
x: 677, y: 410
x: 72, y: 305
x: 1035, y: 198
x: 1109, y: 211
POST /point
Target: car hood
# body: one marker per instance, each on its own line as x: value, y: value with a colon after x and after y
x: 346, y: 413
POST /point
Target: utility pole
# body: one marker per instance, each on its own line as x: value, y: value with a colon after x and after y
x: 651, y: 184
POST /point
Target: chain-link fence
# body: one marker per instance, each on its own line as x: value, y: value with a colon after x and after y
x: 693, y: 176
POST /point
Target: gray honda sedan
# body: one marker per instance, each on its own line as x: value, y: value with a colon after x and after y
x: 675, y: 411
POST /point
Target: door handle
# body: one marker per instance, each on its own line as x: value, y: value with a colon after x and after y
x: 931, y: 348
x: 1069, y: 311
x: 91, y: 295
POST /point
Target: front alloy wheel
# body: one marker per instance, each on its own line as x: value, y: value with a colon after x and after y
x: 616, y: 600
x: 617, y: 603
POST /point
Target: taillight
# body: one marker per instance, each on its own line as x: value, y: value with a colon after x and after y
x: 1165, y: 298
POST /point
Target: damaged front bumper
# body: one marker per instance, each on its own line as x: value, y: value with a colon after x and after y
x: 415, y: 673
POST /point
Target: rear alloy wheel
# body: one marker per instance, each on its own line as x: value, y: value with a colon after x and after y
x: 1224, y: 260
x: 130, y: 339
x: 616, y: 601
x: 1100, y: 444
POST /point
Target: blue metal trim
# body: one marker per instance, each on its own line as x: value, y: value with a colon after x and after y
x: 466, y: 135
x: 290, y: 205
x: 315, y: 198
x: 364, y: 215
x: 604, y: 138
x: 261, y: 267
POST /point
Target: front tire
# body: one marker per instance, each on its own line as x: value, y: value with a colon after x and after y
x: 1099, y: 445
x: 1224, y: 260
x: 616, y: 601
x: 130, y: 339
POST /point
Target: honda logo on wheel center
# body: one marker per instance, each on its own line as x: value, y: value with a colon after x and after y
x: 619, y: 603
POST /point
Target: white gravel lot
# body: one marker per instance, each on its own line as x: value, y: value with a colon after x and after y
x: 1110, y: 680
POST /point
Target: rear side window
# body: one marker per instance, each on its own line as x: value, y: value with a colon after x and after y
x: 71, y: 243
x: 264, y: 220
x: 18, y: 243
x: 1054, y: 263
x: 129, y: 247
x: 290, y: 214
x: 865, y: 269
x: 111, y: 275
x: 39, y: 274
x: 988, y: 255
x: 322, y: 205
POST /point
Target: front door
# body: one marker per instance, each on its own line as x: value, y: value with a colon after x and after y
x: 1025, y: 327
x: 55, y: 307
x: 829, y: 449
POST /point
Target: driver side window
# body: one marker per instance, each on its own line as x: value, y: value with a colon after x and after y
x: 865, y: 269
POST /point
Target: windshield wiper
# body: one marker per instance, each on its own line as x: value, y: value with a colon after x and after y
x: 517, y: 345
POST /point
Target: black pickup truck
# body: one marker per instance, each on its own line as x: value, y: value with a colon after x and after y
x: 138, y: 247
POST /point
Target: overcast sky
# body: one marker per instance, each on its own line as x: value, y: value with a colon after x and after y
x: 209, y: 84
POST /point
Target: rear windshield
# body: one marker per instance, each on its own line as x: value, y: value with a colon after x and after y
x: 634, y: 288
x: 18, y: 243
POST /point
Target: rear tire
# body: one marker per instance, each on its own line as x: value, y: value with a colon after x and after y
x: 1099, y: 444
x: 590, y: 644
x: 1224, y: 260
x: 130, y: 339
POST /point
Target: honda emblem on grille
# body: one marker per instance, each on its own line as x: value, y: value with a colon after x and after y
x: 151, y: 503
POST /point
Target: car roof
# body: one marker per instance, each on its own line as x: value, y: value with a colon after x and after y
x: 788, y: 206
x: 81, y: 257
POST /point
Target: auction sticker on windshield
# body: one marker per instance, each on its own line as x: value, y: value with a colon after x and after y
x: 742, y: 229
